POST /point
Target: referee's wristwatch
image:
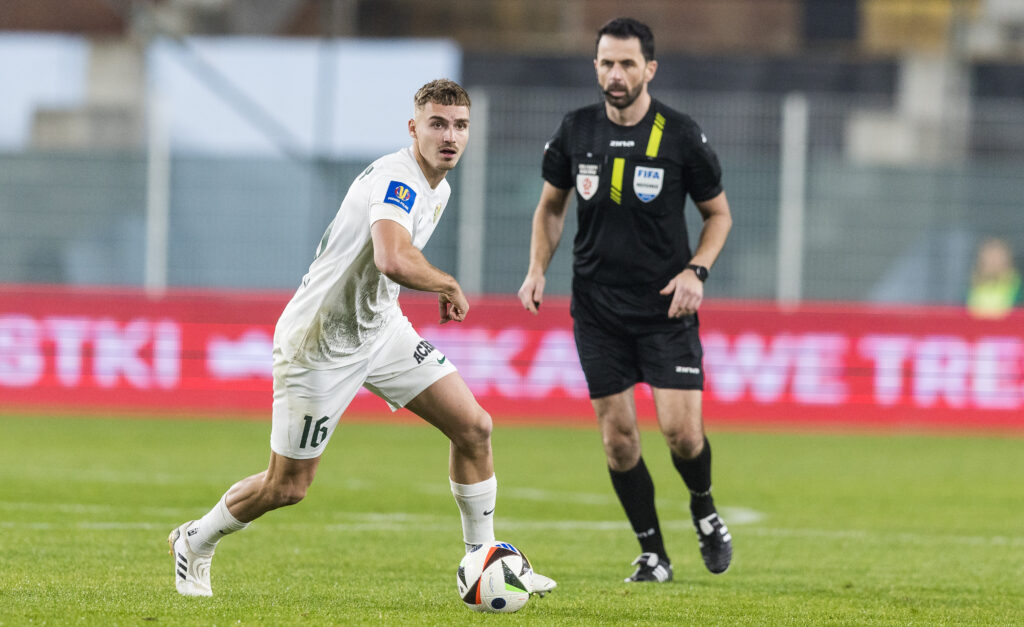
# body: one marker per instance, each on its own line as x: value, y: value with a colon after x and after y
x: 700, y: 271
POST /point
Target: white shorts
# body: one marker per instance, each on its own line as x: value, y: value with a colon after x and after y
x: 308, y: 403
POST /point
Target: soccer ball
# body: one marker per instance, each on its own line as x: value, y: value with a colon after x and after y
x: 495, y: 577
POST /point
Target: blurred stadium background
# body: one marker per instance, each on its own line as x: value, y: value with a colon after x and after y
x: 908, y: 111
x: 868, y: 145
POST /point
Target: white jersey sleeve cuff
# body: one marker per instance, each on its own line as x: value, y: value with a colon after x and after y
x: 386, y: 211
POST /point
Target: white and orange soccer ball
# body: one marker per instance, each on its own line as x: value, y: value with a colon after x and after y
x: 495, y: 577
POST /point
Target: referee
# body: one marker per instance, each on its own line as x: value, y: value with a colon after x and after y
x: 637, y: 285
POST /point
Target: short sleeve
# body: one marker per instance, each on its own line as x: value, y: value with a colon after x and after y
x: 557, y: 164
x: 702, y: 171
x: 393, y: 199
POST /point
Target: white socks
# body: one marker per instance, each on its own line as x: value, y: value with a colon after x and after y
x: 475, y: 500
x: 204, y: 534
x: 476, y: 504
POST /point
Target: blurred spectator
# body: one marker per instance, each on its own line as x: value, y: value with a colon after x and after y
x: 995, y: 282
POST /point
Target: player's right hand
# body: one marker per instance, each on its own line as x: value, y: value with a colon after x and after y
x: 452, y: 306
x: 531, y: 294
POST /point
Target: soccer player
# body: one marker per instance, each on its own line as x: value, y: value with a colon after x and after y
x: 343, y: 329
x: 636, y: 284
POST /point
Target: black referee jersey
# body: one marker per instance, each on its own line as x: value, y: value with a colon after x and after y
x: 631, y: 186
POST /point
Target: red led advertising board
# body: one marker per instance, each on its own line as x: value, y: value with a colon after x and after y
x: 210, y: 352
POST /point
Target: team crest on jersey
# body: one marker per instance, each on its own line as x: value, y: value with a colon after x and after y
x: 647, y: 182
x: 400, y: 195
x: 587, y: 179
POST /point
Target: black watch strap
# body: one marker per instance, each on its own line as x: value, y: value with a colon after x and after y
x: 700, y: 271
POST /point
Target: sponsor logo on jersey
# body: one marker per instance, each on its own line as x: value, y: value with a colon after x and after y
x: 587, y: 179
x: 421, y: 351
x: 622, y: 143
x: 647, y: 182
x: 400, y: 195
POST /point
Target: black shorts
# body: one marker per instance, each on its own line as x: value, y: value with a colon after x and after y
x: 624, y: 336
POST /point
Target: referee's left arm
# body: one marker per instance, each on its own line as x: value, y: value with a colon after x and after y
x: 717, y: 224
x: 686, y: 288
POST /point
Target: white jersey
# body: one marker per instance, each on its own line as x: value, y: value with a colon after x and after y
x: 344, y: 301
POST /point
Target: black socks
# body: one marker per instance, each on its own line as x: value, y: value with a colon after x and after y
x: 636, y: 493
x: 696, y: 474
x: 635, y: 490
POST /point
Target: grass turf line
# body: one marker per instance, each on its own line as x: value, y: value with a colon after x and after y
x: 852, y: 529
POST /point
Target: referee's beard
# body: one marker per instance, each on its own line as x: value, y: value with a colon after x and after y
x: 622, y: 102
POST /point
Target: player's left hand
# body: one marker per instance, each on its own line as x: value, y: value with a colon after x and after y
x: 687, y: 294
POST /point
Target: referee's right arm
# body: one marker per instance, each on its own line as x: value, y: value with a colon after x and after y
x: 548, y: 222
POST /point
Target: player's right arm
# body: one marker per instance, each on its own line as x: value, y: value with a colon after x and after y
x: 548, y: 223
x: 397, y: 259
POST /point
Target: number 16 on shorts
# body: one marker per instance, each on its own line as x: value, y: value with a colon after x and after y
x: 313, y: 433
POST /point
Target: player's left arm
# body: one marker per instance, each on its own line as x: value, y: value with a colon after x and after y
x: 687, y: 290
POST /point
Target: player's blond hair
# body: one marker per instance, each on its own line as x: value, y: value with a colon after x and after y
x: 443, y: 92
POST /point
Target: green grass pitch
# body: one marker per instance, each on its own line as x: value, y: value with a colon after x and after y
x: 838, y: 529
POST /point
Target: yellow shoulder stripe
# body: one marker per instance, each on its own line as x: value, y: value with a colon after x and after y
x: 654, y: 143
x: 618, y: 167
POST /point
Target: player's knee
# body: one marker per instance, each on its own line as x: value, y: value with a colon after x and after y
x: 285, y: 493
x: 292, y: 494
x: 475, y: 432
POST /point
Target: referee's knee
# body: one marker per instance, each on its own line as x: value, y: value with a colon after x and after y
x: 685, y: 443
x: 623, y: 451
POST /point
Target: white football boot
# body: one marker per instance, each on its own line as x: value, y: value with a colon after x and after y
x: 191, y: 570
x: 541, y: 584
